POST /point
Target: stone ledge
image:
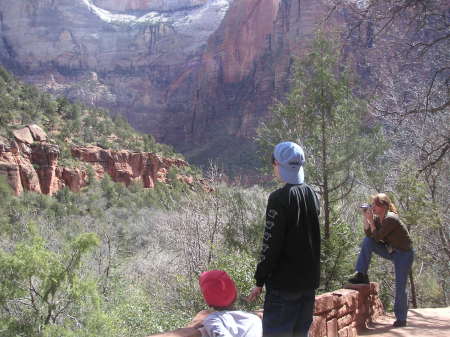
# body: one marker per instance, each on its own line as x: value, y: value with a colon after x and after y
x: 344, y: 312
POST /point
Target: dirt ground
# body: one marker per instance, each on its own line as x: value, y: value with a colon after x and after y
x: 421, y: 323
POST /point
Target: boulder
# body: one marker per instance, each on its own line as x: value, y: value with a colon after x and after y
x: 24, y: 135
x: 38, y: 134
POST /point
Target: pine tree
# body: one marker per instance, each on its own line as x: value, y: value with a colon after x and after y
x: 322, y: 114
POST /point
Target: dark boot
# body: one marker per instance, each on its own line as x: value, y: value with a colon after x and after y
x: 359, y: 278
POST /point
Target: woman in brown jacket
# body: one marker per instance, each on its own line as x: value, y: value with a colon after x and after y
x: 387, y: 237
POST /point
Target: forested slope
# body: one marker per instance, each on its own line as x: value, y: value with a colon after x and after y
x: 111, y: 260
x: 47, y: 144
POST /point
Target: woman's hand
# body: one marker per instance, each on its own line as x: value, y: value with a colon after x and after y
x: 368, y: 219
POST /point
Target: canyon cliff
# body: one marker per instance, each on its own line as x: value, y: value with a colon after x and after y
x: 197, y: 74
x: 30, y: 162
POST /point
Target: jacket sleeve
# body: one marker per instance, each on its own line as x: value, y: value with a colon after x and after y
x: 387, y: 226
x: 213, y: 326
x: 274, y: 233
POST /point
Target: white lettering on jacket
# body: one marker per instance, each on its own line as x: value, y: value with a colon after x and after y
x: 271, y: 213
x: 269, y: 225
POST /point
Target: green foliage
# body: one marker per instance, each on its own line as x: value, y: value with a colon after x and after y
x: 135, y: 312
x: 411, y: 197
x: 337, y: 260
x: 242, y: 231
x: 5, y: 75
x: 41, y: 288
x: 5, y: 199
x: 240, y: 265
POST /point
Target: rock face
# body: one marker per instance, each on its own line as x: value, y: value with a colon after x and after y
x: 33, y: 165
x: 127, y: 167
x: 122, y: 55
x: 247, y: 63
x: 197, y: 74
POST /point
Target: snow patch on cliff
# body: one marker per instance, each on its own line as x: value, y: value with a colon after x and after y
x: 204, y: 18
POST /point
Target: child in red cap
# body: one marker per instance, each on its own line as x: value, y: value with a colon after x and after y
x: 219, y: 292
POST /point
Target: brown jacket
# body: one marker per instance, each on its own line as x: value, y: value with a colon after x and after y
x: 391, y: 231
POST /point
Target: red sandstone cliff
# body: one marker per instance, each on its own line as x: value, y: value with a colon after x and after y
x: 244, y: 69
x: 30, y: 162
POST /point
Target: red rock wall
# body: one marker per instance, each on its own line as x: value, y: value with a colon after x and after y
x: 31, y: 163
x: 126, y: 166
x: 346, y: 311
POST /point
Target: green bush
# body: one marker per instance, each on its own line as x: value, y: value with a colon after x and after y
x: 134, y: 312
x: 337, y: 260
x: 42, y: 291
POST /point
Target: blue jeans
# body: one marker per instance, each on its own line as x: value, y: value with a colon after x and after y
x: 402, y: 263
x: 288, y: 313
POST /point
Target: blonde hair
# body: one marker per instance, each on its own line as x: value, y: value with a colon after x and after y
x: 382, y: 200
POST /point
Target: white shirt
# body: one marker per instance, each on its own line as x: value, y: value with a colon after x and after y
x: 231, y: 324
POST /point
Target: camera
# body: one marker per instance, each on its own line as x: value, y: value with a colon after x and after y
x: 365, y: 206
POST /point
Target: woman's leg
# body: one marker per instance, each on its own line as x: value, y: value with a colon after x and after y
x: 368, y: 247
x: 402, y: 262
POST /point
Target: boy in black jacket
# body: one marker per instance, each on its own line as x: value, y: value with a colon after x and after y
x: 289, y: 266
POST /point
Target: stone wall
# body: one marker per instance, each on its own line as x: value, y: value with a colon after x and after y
x: 344, y: 312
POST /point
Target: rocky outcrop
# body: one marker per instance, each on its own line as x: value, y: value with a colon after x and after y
x: 32, y: 164
x: 16, y: 159
x: 126, y: 166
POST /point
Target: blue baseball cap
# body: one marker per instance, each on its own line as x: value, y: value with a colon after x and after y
x: 290, y: 158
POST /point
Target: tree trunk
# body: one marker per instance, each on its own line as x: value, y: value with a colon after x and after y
x: 326, y: 201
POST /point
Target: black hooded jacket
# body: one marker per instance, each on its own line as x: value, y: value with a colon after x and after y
x: 290, y: 255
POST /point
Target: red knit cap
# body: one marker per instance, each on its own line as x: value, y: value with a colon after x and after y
x: 217, y: 288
